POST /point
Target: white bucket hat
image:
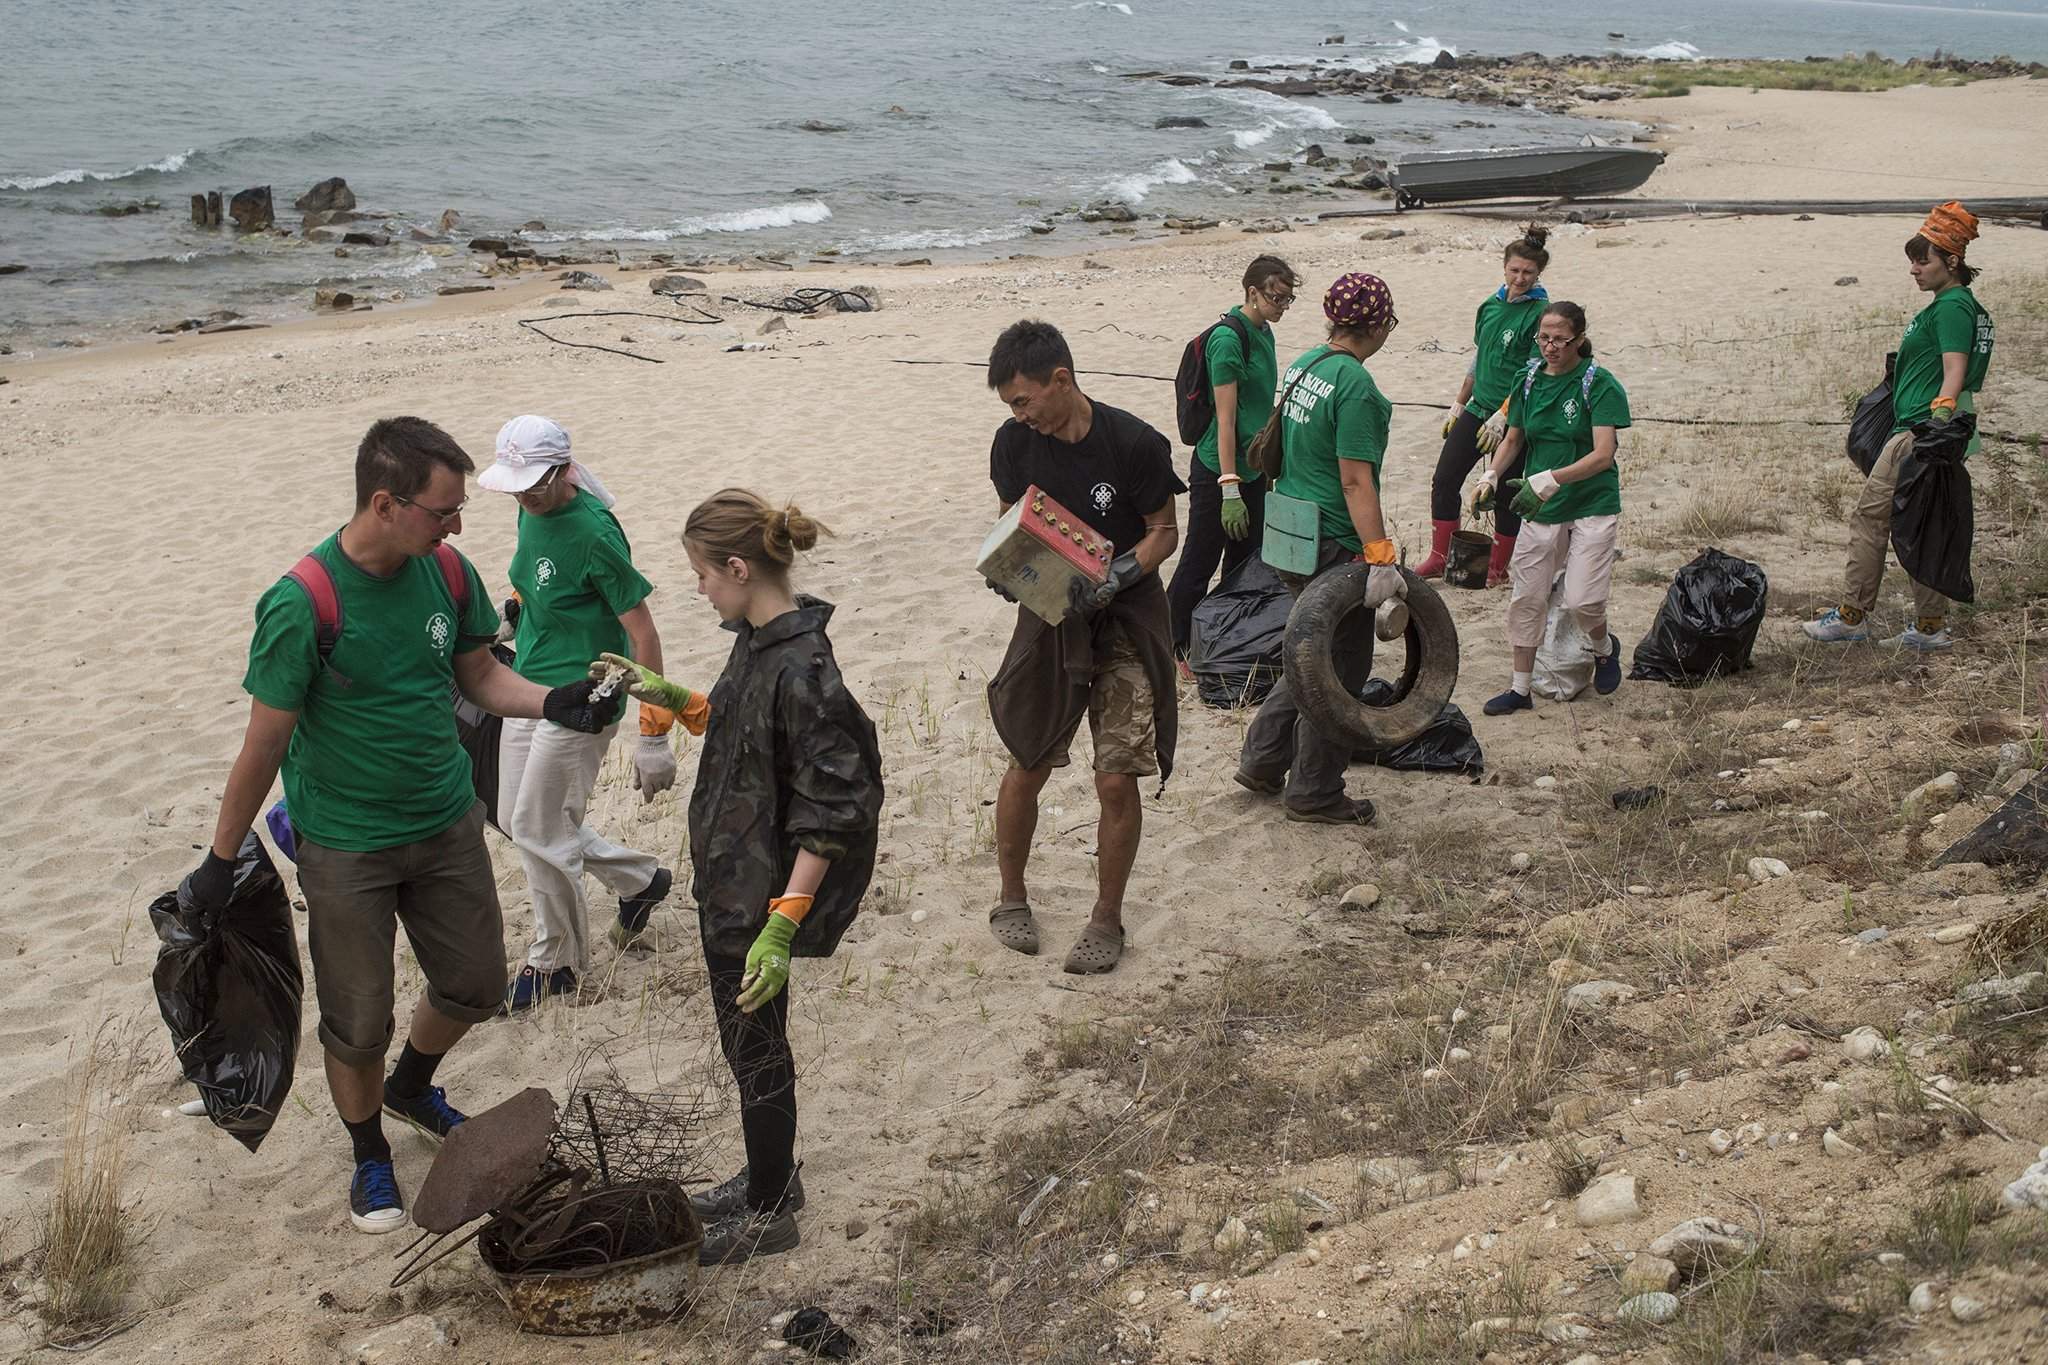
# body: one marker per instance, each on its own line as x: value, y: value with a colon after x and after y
x: 528, y: 447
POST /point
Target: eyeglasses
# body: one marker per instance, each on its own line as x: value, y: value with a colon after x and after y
x: 541, y: 484
x: 1278, y: 300
x: 446, y: 518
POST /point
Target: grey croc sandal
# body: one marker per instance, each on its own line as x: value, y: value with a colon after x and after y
x: 1013, y: 927
x: 1096, y: 951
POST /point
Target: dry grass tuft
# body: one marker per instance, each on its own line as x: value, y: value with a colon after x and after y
x: 88, y: 1233
x: 1728, y: 508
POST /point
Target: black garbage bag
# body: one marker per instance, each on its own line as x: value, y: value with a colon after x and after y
x: 229, y: 988
x: 1447, y: 746
x: 480, y: 732
x: 1871, y: 425
x: 1708, y: 623
x: 1234, y: 644
x: 1933, y: 522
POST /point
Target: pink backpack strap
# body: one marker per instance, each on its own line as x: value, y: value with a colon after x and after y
x: 318, y: 584
x: 456, y: 575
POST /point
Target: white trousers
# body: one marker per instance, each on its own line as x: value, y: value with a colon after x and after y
x: 1584, y: 549
x: 545, y: 776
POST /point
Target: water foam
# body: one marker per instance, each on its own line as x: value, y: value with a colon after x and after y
x: 740, y: 220
x: 1282, y: 115
x: 77, y: 175
x: 1133, y: 188
x: 937, y: 240
x: 1670, y: 52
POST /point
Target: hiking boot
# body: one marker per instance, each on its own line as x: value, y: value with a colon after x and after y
x: 1511, y: 701
x: 428, y: 1111
x: 634, y: 911
x: 1343, y: 811
x: 1264, y: 786
x: 374, y: 1205
x: 1607, y: 667
x: 723, y: 1201
x: 1831, y: 629
x: 1923, y: 642
x: 533, y: 985
x: 743, y: 1236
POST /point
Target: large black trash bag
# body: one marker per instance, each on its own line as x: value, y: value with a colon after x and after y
x: 1933, y: 521
x: 1871, y: 425
x: 1234, y: 644
x: 1708, y: 623
x: 229, y: 988
x: 480, y: 733
x: 1447, y: 746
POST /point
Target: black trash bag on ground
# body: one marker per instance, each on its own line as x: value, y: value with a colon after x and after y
x: 1234, y: 644
x: 1933, y: 521
x: 1708, y: 623
x: 229, y: 988
x: 1871, y: 425
x: 1447, y: 746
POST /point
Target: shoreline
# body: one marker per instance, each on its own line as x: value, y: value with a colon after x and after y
x: 1345, y: 174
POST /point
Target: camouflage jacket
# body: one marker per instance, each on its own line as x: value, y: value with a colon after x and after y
x: 790, y: 762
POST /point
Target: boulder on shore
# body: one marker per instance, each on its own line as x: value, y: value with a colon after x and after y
x: 331, y: 193
x: 251, y: 210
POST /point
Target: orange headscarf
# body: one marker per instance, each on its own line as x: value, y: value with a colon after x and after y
x: 1950, y: 227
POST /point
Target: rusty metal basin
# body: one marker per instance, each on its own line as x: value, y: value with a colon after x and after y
x: 625, y: 1296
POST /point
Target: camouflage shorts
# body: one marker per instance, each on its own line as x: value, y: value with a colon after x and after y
x: 1119, y: 714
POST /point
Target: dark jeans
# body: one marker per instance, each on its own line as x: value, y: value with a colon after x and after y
x: 756, y: 1047
x: 1454, y: 462
x: 1284, y: 742
x: 1205, y: 545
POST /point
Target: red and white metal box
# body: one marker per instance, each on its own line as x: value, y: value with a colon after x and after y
x: 1038, y: 550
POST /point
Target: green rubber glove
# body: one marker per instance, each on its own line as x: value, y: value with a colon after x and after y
x: 1526, y: 502
x: 643, y: 683
x: 767, y: 963
x: 1237, y: 518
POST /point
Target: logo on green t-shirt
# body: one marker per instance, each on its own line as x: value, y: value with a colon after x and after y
x: 440, y: 630
x: 543, y: 570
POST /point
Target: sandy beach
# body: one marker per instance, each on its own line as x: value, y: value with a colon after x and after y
x: 165, y: 484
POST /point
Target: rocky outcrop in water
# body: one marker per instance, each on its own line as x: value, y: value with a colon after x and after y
x: 331, y: 193
x: 251, y: 210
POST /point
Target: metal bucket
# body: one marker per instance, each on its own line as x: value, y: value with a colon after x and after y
x: 628, y: 1296
x: 1466, y: 567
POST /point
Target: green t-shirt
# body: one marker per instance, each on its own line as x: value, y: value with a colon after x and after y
x: 1256, y: 376
x: 1504, y: 342
x: 374, y: 760
x: 1557, y: 418
x: 575, y: 576
x: 1335, y: 413
x: 1956, y: 322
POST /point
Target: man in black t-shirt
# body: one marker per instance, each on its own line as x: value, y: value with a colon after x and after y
x: 1111, y: 659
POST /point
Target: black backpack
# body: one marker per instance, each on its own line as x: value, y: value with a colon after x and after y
x: 1194, y: 405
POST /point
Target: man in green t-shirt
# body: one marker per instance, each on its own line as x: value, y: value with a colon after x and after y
x: 387, y: 824
x: 579, y: 597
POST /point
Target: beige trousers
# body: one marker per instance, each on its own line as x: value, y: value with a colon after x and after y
x: 1584, y: 549
x: 1870, y: 536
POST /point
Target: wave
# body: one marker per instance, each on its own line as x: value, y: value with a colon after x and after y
x: 1133, y: 188
x: 1669, y: 52
x: 937, y: 240
x: 167, y: 166
x: 1282, y: 115
x: 740, y: 220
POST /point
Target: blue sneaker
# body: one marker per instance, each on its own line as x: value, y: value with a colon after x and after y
x: 1509, y: 702
x: 428, y: 1111
x: 1922, y: 641
x: 374, y: 1205
x: 1831, y: 629
x: 1607, y: 667
x: 533, y: 985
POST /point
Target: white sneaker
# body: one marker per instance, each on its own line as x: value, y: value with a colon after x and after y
x: 1832, y: 629
x: 1916, y: 639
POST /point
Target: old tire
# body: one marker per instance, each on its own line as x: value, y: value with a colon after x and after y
x: 1328, y: 610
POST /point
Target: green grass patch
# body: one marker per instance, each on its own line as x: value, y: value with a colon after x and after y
x: 1869, y: 72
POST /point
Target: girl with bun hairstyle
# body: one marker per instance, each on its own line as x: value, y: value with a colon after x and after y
x: 783, y: 824
x: 1504, y: 342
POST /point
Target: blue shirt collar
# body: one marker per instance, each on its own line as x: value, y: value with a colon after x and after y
x: 1536, y: 292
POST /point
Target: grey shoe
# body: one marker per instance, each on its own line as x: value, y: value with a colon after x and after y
x: 744, y: 1236
x: 724, y: 1201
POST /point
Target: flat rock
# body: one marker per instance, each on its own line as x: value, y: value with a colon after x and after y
x: 1954, y: 933
x: 1598, y: 995
x: 1765, y: 869
x: 1388, y: 234
x: 675, y: 284
x: 1703, y: 1244
x: 1609, y: 1199
x: 1655, y: 1309
x: 1648, y: 1274
x: 2028, y: 988
x: 582, y: 279
x: 464, y: 289
x: 1364, y: 896
x: 1963, y: 1308
x: 1935, y: 794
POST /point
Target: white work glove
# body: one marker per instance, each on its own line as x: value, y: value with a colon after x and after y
x: 1481, y: 498
x: 1543, y: 484
x: 1383, y: 581
x: 1491, y: 430
x: 654, y: 766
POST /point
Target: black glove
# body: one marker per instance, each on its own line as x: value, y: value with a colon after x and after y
x: 999, y: 590
x: 1123, y: 571
x: 207, y: 887
x: 570, y: 707
x: 511, y: 612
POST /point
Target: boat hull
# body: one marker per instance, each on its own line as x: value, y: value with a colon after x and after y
x: 1521, y: 173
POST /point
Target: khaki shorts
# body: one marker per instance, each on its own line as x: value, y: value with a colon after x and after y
x: 443, y: 891
x: 1119, y: 713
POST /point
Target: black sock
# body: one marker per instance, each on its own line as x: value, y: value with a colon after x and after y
x: 367, y: 1138
x: 414, y: 1072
